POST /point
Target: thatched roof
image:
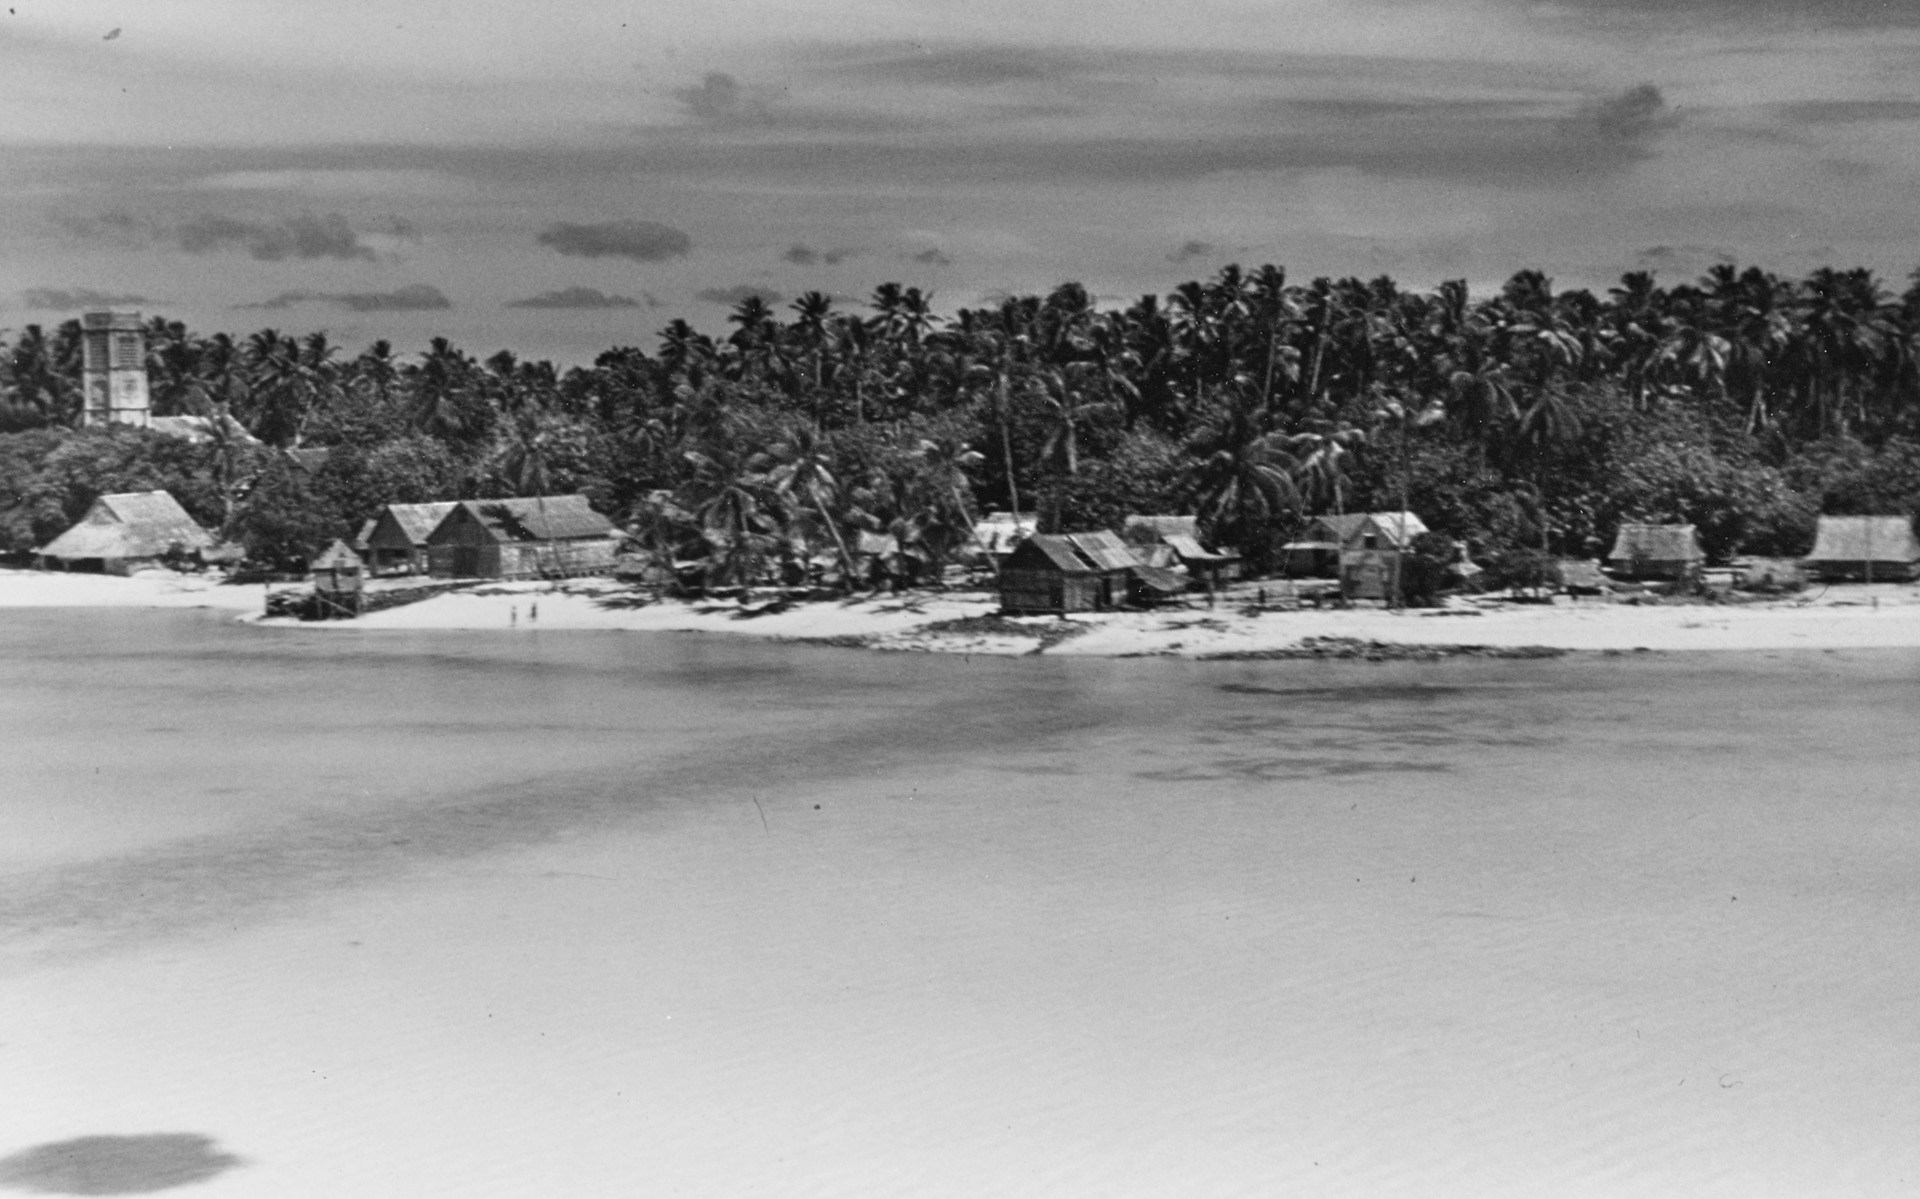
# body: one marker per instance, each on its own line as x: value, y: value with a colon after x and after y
x: 1864, y: 539
x: 415, y: 521
x: 338, y: 556
x: 1581, y: 574
x: 134, y: 524
x: 1148, y: 529
x: 1656, y: 543
x: 546, y: 518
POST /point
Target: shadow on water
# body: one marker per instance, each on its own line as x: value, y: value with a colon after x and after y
x: 116, y: 1165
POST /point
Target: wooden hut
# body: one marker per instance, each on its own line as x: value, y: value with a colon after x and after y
x: 554, y: 536
x: 124, y: 532
x: 1657, y: 552
x: 1316, y: 552
x: 395, y: 542
x: 1181, y: 534
x: 1067, y: 572
x: 1870, y: 548
x: 339, y: 577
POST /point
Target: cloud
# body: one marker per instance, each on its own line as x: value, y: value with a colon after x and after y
x: 575, y: 297
x: 415, y: 297
x: 1631, y: 118
x: 1191, y: 250
x: 305, y: 236
x: 115, y: 228
x: 736, y: 294
x: 1684, y: 257
x: 802, y: 256
x: 716, y: 99
x: 1847, y: 112
x: 932, y: 257
x: 956, y: 66
x: 76, y: 299
x: 642, y: 241
x: 1819, y: 13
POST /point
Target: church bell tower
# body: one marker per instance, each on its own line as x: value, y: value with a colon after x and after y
x: 113, y: 369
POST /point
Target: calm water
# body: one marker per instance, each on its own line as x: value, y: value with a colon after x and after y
x: 585, y: 914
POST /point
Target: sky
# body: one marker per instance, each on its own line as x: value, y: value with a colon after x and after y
x: 559, y: 178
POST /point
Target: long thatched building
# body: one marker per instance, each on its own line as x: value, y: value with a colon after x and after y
x: 550, y: 536
x: 1657, y: 552
x: 124, y: 532
x: 1870, y: 548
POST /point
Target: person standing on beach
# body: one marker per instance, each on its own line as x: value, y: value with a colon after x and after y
x: 513, y: 616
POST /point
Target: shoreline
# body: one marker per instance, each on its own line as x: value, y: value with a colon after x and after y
x: 1859, y: 616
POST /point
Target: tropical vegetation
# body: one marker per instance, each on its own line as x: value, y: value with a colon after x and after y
x: 1526, y: 420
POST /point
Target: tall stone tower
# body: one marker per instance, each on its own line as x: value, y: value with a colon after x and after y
x: 113, y: 369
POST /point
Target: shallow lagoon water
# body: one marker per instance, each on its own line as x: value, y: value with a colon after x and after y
x: 399, y: 914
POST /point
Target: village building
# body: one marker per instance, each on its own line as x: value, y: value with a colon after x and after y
x: 1066, y: 572
x: 339, y: 581
x: 1181, y: 536
x: 1316, y: 552
x: 997, y: 533
x: 1869, y: 548
x: 1656, y: 552
x: 113, y: 370
x: 552, y: 536
x: 125, y: 532
x: 395, y: 542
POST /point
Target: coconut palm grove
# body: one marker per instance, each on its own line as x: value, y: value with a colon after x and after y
x: 1524, y: 422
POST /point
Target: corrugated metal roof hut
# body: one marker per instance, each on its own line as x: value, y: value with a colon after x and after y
x: 1656, y: 552
x: 1316, y: 552
x: 338, y: 577
x: 395, y: 542
x: 123, y: 532
x: 1881, y: 548
x: 532, y: 537
x: 1181, y: 534
x: 1066, y: 572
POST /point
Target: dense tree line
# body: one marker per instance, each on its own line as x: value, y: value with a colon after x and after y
x: 1745, y: 403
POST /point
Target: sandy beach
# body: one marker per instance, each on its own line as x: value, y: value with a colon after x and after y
x: 1881, y: 615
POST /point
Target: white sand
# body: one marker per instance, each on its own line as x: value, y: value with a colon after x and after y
x: 1842, y: 617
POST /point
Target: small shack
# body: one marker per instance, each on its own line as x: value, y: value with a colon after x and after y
x: 339, y: 580
x: 1656, y: 552
x: 1316, y: 552
x: 124, y: 532
x: 395, y: 542
x: 1869, y: 548
x: 553, y: 536
x: 1181, y: 534
x: 1067, y: 572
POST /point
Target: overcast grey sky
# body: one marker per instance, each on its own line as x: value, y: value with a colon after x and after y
x: 560, y: 177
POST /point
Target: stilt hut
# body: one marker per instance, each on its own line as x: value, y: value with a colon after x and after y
x: 125, y: 532
x: 1869, y: 548
x: 339, y: 577
x: 1656, y: 552
x: 555, y: 536
x: 395, y: 541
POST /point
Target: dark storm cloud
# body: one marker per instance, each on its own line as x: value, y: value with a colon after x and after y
x: 575, y: 297
x: 76, y: 299
x: 736, y: 294
x: 415, y: 297
x: 1191, y: 250
x: 116, y: 228
x: 116, y: 1165
x: 1847, y: 112
x: 933, y: 257
x: 642, y: 241
x: 306, y: 236
x: 801, y: 256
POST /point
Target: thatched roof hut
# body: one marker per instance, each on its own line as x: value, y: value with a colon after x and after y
x: 395, y: 541
x: 529, y: 537
x: 1860, y: 547
x: 122, y: 532
x: 1656, y: 552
